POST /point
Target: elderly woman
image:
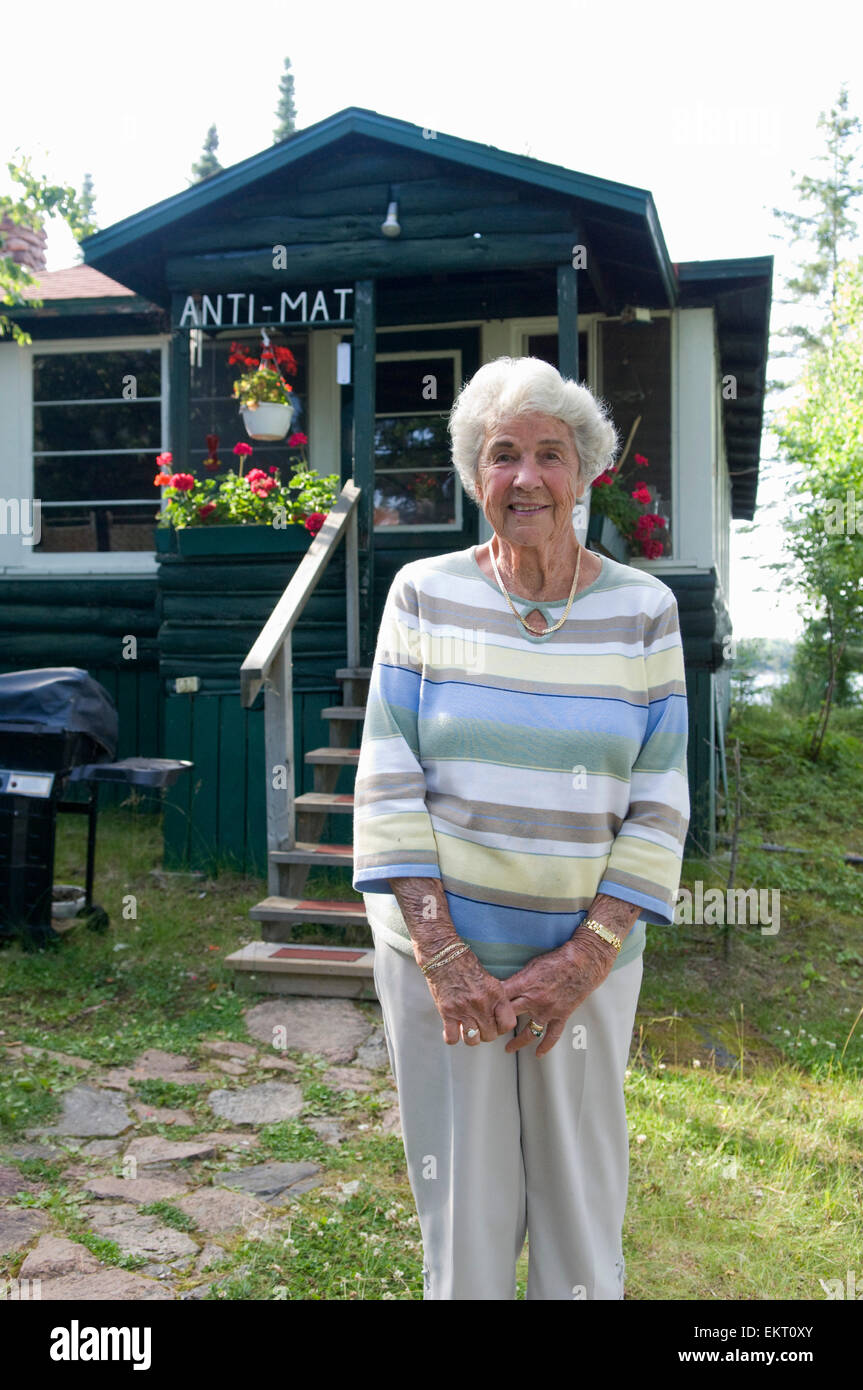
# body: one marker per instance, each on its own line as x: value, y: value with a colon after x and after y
x: 521, y: 798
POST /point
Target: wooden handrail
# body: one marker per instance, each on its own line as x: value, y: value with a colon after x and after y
x: 283, y: 618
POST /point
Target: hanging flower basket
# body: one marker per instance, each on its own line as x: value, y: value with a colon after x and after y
x: 267, y: 420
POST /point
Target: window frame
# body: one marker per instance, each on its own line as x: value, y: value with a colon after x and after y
x: 429, y: 526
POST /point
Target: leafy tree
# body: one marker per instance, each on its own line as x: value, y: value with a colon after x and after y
x: 37, y: 200
x: 823, y: 433
x: 286, y: 111
x: 208, y: 164
x: 88, y: 204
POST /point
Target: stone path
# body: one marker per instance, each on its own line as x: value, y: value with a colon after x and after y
x: 116, y: 1165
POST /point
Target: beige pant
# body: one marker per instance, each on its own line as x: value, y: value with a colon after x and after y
x: 500, y: 1143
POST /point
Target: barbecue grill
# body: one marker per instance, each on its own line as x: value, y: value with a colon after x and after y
x: 58, y: 726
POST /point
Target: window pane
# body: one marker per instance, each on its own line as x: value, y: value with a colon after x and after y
x: 127, y: 425
x: 73, y: 376
x: 414, y: 384
x: 97, y: 528
x: 544, y: 345
x: 636, y: 383
x: 96, y: 479
x: 414, y: 481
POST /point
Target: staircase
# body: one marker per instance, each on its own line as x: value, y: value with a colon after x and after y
x: 276, y: 964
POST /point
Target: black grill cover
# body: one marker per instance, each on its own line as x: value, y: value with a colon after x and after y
x: 58, y: 699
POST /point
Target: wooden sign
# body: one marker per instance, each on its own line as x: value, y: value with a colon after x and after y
x: 241, y: 310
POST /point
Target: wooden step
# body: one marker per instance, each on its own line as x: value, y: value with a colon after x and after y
x: 356, y: 713
x: 354, y: 673
x: 332, y: 910
x: 304, y: 852
x: 333, y: 756
x: 324, y: 802
x: 275, y: 967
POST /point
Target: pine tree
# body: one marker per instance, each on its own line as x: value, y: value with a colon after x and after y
x: 88, y: 203
x: 829, y: 227
x: 286, y: 111
x: 208, y: 164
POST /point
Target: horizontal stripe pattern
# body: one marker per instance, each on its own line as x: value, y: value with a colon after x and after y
x: 528, y: 774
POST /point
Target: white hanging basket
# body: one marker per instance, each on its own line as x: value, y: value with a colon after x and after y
x: 270, y: 420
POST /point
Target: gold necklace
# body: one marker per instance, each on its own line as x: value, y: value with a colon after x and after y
x: 524, y: 624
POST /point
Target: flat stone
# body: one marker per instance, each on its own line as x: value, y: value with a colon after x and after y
x: 18, y: 1226
x: 125, y: 1078
x: 231, y: 1139
x: 391, y: 1122
x: 283, y: 1064
x: 332, y: 1028
x: 161, y: 1115
x: 80, y: 1063
x: 268, y: 1180
x: 11, y: 1181
x: 152, y: 1150
x: 115, y: 1285
x: 140, y: 1191
x: 387, y: 1098
x: 232, y: 1068
x: 156, y: 1063
x: 137, y: 1234
x: 55, y: 1255
x: 348, y: 1078
x: 373, y: 1052
x: 87, y: 1111
x: 224, y: 1048
x: 103, y: 1148
x: 328, y: 1129
x: 48, y: 1151
x: 211, y: 1256
x: 217, y: 1210
x: 264, y: 1104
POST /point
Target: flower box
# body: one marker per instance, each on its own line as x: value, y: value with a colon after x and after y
x: 233, y: 540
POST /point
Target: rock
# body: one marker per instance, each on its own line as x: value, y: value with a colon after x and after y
x: 88, y: 1111
x: 80, y: 1063
x: 103, y: 1148
x: 151, y: 1150
x: 373, y: 1052
x: 138, y: 1235
x: 199, y: 1291
x: 328, y: 1129
x: 231, y: 1068
x: 140, y: 1191
x: 54, y: 1256
x: 391, y: 1122
x: 388, y: 1097
x: 333, y: 1028
x: 264, y: 1104
x: 348, y: 1078
x: 216, y: 1209
x: 231, y: 1139
x: 211, y: 1257
x: 114, y: 1285
x: 125, y: 1078
x: 155, y: 1064
x: 283, y: 1064
x: 48, y: 1151
x: 229, y: 1049
x: 18, y: 1226
x: 270, y: 1181
x: 11, y: 1181
x: 161, y: 1115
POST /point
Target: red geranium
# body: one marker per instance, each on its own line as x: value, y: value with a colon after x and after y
x: 161, y: 480
x: 184, y: 482
x: 314, y: 521
x: 641, y: 494
x: 640, y: 460
x: 296, y: 441
x: 206, y: 508
x: 244, y: 449
x: 652, y: 549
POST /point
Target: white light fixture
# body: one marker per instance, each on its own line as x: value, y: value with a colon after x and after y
x: 343, y: 364
x: 390, y: 227
x: 634, y: 313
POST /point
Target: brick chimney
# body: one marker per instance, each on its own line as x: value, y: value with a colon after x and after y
x: 23, y: 244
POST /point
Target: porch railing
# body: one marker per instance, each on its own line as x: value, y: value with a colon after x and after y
x: 270, y: 664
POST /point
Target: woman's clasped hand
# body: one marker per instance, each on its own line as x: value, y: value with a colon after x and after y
x: 476, y: 1007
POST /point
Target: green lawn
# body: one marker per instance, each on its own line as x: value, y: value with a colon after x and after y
x: 746, y: 1177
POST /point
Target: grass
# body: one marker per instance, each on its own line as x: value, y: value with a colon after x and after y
x: 742, y: 1091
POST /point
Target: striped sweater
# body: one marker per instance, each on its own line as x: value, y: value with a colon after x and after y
x: 527, y: 773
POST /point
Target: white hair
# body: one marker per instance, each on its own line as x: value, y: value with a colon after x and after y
x: 528, y: 386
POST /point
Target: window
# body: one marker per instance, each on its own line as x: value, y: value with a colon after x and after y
x: 97, y: 428
x: 635, y: 381
x: 416, y: 485
x: 213, y: 408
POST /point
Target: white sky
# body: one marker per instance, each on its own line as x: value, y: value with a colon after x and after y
x: 710, y: 107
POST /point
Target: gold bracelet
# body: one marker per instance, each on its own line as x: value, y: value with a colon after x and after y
x: 427, y: 969
x: 453, y: 945
x: 604, y: 932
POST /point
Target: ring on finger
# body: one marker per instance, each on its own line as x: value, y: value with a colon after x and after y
x: 536, y: 1028
x: 470, y: 1032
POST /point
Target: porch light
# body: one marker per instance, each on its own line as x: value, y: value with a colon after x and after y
x: 390, y: 227
x: 635, y: 313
